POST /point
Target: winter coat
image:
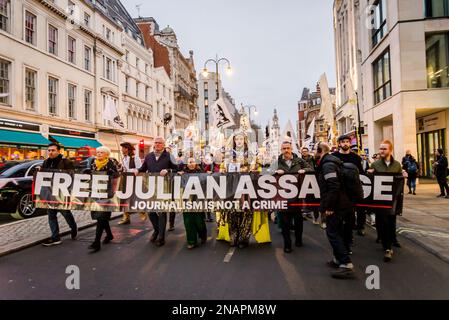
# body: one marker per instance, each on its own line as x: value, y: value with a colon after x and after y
x: 333, y: 197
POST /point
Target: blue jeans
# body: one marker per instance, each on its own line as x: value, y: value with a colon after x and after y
x: 411, y: 183
x: 335, y: 231
x: 54, y: 225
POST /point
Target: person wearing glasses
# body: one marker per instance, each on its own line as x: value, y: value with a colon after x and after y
x: 159, y: 161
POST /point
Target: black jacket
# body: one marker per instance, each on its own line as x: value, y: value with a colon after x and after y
x: 333, y: 198
x: 111, y: 169
x: 58, y: 163
x: 441, y: 167
x: 151, y: 165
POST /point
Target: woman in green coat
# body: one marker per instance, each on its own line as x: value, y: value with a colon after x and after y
x: 194, y: 222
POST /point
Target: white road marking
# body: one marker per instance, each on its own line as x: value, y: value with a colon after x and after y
x: 229, y: 255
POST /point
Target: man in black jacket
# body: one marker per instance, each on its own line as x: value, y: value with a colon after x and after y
x: 55, y: 161
x: 159, y: 161
x: 288, y: 162
x: 336, y: 205
x: 441, y: 173
x: 346, y: 155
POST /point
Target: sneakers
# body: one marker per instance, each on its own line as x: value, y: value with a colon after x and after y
x: 287, y: 249
x: 160, y: 242
x: 154, y: 237
x: 298, y: 243
x: 343, y: 272
x: 323, y: 225
x: 191, y: 246
x: 388, y: 255
x: 124, y: 221
x: 315, y: 221
x: 108, y: 239
x: 51, y: 242
x: 171, y: 228
x: 397, y: 244
x: 95, y: 247
x: 441, y: 196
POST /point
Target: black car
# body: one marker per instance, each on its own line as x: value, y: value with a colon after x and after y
x: 9, y: 164
x: 15, y: 189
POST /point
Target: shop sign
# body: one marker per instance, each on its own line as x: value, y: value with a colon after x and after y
x: 72, y: 132
x: 11, y: 124
x: 433, y: 122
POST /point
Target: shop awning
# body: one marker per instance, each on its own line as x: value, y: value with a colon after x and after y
x: 23, y: 138
x: 72, y: 142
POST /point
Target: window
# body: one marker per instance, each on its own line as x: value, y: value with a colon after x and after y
x: 147, y: 93
x: 30, y: 28
x: 71, y: 102
x: 380, y: 22
x: 137, y: 62
x: 108, y: 71
x: 30, y: 89
x: 4, y: 80
x: 126, y: 84
x: 108, y: 34
x: 437, y: 8
x: 437, y: 58
x: 146, y: 68
x: 5, y: 14
x: 86, y: 19
x: 137, y: 88
x: 127, y: 56
x: 87, y: 104
x: 70, y: 7
x: 52, y: 40
x: 71, y: 47
x: 382, y: 78
x: 157, y: 86
x: 52, y: 95
x: 87, y: 58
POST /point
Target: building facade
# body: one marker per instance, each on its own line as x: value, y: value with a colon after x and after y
x: 405, y: 77
x: 58, y: 62
x: 347, y: 24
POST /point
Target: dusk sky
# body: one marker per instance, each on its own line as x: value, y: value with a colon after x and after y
x: 276, y: 47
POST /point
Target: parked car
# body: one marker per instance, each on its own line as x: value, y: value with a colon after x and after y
x: 15, y: 189
x: 9, y: 164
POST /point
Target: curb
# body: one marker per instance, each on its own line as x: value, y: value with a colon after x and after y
x: 418, y: 242
x: 39, y: 240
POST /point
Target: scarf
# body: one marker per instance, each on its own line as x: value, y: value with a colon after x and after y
x: 101, y: 164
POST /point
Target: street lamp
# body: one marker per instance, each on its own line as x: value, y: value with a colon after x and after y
x: 217, y: 61
x: 250, y: 107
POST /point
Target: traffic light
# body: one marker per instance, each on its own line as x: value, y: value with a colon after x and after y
x: 141, y: 144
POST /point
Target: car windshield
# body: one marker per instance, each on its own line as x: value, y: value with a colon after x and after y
x: 16, y: 171
x: 8, y: 164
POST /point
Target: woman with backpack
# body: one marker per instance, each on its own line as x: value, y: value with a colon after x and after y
x: 412, y: 168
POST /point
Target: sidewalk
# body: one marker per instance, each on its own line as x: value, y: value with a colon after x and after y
x: 425, y: 220
x: 29, y: 232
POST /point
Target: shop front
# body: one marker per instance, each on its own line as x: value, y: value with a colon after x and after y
x: 74, y: 143
x: 431, y: 135
x: 21, y: 141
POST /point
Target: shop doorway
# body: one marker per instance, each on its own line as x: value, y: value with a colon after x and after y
x: 428, y: 143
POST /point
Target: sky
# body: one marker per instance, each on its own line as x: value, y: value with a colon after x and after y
x: 276, y: 47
